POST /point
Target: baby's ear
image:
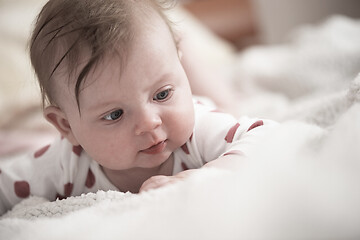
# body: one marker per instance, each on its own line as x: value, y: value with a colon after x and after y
x: 58, y: 118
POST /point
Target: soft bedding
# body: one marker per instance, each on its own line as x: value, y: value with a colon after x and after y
x: 301, y: 183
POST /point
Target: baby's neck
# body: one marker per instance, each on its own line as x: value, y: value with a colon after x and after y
x: 132, y: 179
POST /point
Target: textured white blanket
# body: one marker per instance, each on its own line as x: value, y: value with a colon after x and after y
x: 301, y: 183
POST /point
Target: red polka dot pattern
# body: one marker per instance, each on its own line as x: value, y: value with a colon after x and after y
x: 231, y: 133
x: 90, y: 179
x: 77, y: 150
x: 41, y: 151
x: 184, y: 167
x: 191, y: 137
x: 68, y: 189
x: 22, y: 189
x: 256, y: 124
x: 185, y: 148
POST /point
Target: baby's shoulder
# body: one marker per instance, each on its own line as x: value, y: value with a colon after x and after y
x: 59, y: 153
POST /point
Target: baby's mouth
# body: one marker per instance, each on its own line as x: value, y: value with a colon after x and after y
x: 156, y: 148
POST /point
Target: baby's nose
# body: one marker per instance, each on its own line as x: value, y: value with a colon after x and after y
x: 147, y: 121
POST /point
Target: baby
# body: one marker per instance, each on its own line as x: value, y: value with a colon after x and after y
x: 114, y: 87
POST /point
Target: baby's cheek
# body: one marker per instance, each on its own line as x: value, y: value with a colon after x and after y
x: 184, y: 125
x: 99, y: 149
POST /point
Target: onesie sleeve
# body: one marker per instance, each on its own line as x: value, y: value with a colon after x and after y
x: 219, y: 134
x: 49, y: 172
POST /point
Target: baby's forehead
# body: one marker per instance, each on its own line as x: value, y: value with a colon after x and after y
x: 88, y: 56
x: 120, y: 49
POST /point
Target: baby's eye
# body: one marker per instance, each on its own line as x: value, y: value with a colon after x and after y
x: 161, y: 96
x: 114, y: 115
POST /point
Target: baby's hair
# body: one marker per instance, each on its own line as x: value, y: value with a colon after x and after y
x: 64, y: 29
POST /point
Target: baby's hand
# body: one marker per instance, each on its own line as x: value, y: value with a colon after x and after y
x: 156, y: 182
x: 161, y: 180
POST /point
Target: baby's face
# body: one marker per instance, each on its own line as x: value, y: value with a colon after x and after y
x: 134, y: 114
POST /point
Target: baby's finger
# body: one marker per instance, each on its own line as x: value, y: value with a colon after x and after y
x: 155, y: 182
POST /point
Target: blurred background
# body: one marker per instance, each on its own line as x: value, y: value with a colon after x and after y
x: 244, y: 22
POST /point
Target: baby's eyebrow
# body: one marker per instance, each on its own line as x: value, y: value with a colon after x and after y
x: 99, y: 105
